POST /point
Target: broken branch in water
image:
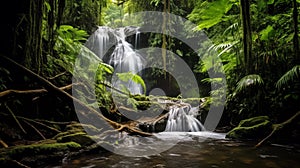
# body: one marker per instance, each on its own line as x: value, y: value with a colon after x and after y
x: 277, y: 127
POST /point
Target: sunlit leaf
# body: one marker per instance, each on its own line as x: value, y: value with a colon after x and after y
x: 207, y: 14
x: 129, y: 76
x: 267, y: 33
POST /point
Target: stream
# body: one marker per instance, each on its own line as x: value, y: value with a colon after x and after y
x: 198, y: 149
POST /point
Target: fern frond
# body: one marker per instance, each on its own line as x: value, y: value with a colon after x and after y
x: 232, y: 27
x: 252, y: 80
x: 291, y: 75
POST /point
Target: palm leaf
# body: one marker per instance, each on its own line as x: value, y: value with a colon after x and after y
x: 252, y: 80
x: 291, y: 75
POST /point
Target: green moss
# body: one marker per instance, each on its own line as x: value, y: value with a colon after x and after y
x: 252, y: 128
x: 253, y: 121
x: 81, y: 138
x: 42, y: 149
x: 84, y: 127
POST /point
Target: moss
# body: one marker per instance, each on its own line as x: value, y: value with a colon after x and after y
x: 253, y: 121
x: 84, y: 127
x: 252, y: 128
x: 81, y: 138
x: 42, y: 149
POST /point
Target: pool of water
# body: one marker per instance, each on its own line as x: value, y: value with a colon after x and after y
x: 198, y: 149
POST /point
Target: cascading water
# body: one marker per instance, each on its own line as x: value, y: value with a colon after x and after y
x: 123, y: 57
x: 182, y: 119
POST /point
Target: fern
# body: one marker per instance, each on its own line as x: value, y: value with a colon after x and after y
x: 208, y: 14
x: 252, y: 80
x: 291, y: 75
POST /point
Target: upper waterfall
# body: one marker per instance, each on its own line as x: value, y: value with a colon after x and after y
x: 111, y: 46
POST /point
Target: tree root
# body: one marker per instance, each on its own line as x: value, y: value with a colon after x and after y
x: 277, y: 127
x: 51, y: 87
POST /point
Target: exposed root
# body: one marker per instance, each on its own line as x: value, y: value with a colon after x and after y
x: 277, y: 127
x: 51, y: 87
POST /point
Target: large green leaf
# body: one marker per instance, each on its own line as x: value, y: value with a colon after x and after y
x: 207, y: 14
x: 127, y: 76
x: 266, y: 33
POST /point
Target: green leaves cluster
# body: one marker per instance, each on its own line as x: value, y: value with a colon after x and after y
x: 68, y: 44
x: 208, y: 14
x: 129, y: 76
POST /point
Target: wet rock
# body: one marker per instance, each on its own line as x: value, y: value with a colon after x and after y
x: 35, y: 155
x: 252, y: 128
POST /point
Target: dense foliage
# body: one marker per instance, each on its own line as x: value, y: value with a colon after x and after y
x: 257, y: 42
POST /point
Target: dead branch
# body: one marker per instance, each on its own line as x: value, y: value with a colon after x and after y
x: 277, y: 127
x: 42, y: 124
x: 35, y: 129
x: 3, y: 144
x: 56, y: 76
x: 15, y: 118
x: 51, y: 87
x: 34, y: 91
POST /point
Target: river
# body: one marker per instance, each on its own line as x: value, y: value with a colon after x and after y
x: 198, y: 149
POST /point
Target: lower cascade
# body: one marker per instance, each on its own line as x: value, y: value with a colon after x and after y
x: 111, y: 46
x: 182, y: 119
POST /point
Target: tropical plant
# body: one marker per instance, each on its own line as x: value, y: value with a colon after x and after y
x: 68, y: 45
x: 252, y: 81
x: 290, y: 76
x: 129, y: 76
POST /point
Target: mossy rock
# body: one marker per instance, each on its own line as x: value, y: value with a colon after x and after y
x: 83, y: 127
x: 160, y: 126
x: 41, y: 149
x: 81, y: 138
x: 36, y: 155
x: 252, y: 128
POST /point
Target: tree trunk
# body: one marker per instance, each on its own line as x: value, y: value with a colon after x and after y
x: 296, y: 37
x: 247, y: 37
x: 33, y: 48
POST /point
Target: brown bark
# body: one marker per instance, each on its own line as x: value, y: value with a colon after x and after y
x: 51, y: 87
x: 247, y: 35
x: 296, y: 37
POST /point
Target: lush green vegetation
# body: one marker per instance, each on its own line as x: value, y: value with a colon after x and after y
x: 256, y: 41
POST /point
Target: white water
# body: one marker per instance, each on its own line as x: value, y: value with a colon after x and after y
x: 182, y: 119
x: 123, y: 57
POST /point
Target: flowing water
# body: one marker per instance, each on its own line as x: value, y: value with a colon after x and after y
x: 194, y: 147
x: 198, y: 149
x: 111, y: 46
x: 183, y: 119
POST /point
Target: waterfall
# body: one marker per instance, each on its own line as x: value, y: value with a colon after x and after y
x: 182, y: 119
x: 123, y: 57
x: 137, y: 39
x: 111, y: 46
